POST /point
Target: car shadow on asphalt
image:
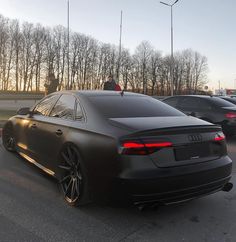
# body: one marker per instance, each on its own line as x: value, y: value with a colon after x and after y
x: 21, y: 170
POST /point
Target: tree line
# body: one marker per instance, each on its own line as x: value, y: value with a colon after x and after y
x: 29, y: 53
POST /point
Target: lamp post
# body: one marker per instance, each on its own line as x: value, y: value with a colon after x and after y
x: 68, y: 45
x: 119, y: 54
x: 172, y: 48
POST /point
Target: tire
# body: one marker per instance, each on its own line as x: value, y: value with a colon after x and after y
x: 8, y: 137
x: 73, y: 179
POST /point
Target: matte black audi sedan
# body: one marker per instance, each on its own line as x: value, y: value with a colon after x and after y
x: 211, y: 109
x: 123, y: 147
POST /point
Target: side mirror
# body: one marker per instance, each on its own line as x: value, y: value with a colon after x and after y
x: 24, y: 111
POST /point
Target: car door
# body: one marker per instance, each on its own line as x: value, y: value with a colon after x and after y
x: 54, y: 129
x: 30, y: 131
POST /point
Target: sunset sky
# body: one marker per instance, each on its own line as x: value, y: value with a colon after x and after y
x: 206, y: 26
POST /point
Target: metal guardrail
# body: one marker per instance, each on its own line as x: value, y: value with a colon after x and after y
x: 20, y: 96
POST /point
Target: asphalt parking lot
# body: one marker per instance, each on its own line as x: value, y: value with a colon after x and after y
x: 31, y: 209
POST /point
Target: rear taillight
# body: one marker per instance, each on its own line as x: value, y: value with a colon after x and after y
x: 230, y: 115
x: 219, y: 136
x: 142, y: 147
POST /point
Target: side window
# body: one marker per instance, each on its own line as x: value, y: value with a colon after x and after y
x: 189, y: 103
x: 171, y: 101
x: 64, y: 107
x: 44, y: 107
x: 204, y: 105
x: 79, y: 113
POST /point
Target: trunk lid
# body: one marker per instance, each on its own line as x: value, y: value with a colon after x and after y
x: 193, y: 140
x: 153, y: 123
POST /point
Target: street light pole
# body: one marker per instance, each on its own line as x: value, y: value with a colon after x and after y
x: 172, y: 54
x: 172, y: 48
x: 119, y: 55
x: 68, y: 45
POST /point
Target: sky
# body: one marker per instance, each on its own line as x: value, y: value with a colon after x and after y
x: 206, y: 26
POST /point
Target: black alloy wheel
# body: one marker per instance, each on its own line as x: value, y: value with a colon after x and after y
x: 73, y: 181
x: 8, y: 138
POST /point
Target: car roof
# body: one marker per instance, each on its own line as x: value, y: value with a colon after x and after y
x: 91, y: 93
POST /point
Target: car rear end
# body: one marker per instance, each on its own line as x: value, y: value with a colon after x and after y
x: 173, y: 165
x: 227, y: 111
x: 163, y: 155
x: 229, y: 123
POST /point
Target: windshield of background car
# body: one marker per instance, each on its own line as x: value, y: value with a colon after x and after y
x: 222, y: 103
x: 132, y: 106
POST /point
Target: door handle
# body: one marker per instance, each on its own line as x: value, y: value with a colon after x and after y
x: 33, y: 126
x: 59, y: 132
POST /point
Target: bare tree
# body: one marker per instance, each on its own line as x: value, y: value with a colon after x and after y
x: 142, y: 59
x: 29, y: 53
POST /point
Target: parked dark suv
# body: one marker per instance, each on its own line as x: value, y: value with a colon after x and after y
x: 211, y: 109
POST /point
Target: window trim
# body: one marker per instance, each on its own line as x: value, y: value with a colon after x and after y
x: 33, y: 109
x: 77, y: 102
x: 68, y: 94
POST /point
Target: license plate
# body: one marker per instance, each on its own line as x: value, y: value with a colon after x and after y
x: 191, y: 152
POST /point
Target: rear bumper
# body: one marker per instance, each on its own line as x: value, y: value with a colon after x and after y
x: 174, y: 184
x: 182, y: 194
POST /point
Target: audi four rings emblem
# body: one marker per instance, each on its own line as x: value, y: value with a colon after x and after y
x: 195, y: 138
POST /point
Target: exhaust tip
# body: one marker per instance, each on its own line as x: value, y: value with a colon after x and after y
x: 147, y: 205
x: 227, y: 187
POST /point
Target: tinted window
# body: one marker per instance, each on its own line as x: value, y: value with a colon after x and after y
x: 221, y: 102
x: 64, y: 107
x: 204, y: 104
x: 44, y: 107
x: 132, y: 106
x: 171, y: 101
x: 189, y: 103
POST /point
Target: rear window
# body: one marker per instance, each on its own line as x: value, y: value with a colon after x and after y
x: 132, y: 106
x: 221, y: 102
x: 172, y: 101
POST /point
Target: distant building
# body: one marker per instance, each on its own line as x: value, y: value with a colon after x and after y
x: 224, y: 92
x: 221, y: 92
x: 230, y: 92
